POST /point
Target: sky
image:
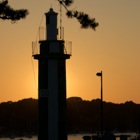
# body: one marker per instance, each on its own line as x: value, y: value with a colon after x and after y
x: 114, y: 49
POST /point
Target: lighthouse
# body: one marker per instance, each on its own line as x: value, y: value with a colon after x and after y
x: 51, y: 54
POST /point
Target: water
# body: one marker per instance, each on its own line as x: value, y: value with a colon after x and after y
x: 70, y: 137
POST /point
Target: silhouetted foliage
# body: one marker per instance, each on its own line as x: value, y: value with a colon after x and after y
x: 21, y: 117
x: 83, y: 18
x: 8, y: 13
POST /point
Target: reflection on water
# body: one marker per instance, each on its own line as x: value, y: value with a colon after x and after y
x: 70, y: 137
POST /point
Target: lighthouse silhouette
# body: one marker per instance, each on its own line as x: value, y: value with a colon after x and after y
x: 51, y: 54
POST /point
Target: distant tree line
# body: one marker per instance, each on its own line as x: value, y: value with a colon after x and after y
x: 18, y: 118
x: 21, y: 117
x: 85, y: 115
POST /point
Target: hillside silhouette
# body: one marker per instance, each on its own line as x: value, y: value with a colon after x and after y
x: 21, y: 117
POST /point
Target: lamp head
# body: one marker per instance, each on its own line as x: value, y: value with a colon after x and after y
x: 99, y: 73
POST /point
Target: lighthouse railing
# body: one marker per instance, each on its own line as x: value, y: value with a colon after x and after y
x: 42, y: 33
x: 43, y: 30
x: 68, y: 47
x: 36, y: 48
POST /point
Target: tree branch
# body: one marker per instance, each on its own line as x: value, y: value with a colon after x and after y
x: 8, y: 13
x: 82, y: 18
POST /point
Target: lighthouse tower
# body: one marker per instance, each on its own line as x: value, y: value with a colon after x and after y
x: 51, y: 55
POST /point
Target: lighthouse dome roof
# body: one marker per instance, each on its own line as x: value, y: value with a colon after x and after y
x: 51, y: 11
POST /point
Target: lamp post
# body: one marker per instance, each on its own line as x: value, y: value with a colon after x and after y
x: 101, y: 75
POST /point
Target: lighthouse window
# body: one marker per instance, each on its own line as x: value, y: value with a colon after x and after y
x: 48, y: 19
x: 57, y: 31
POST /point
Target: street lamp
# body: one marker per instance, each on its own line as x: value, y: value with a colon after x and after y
x: 101, y: 75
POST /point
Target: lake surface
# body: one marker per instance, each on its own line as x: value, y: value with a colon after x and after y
x: 70, y: 137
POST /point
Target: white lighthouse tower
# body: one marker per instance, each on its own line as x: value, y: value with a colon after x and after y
x: 51, y: 55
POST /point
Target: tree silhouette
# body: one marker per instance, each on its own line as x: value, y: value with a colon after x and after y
x: 83, y: 18
x: 8, y: 13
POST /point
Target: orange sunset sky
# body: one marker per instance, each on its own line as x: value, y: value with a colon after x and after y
x: 113, y: 48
